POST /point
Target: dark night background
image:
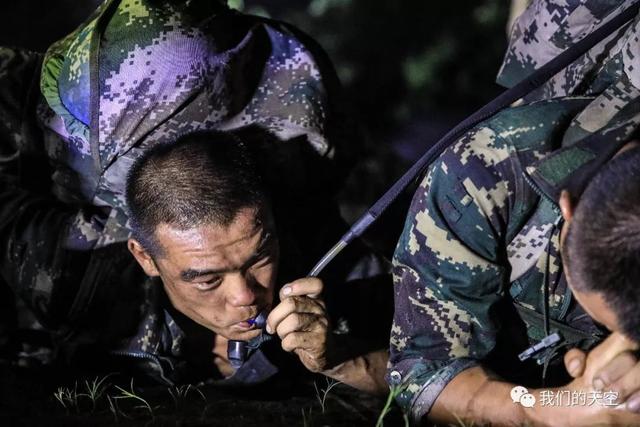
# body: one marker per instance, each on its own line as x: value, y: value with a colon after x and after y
x: 411, y: 69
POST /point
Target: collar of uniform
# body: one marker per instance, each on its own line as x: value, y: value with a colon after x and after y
x: 573, y: 166
x: 157, y: 331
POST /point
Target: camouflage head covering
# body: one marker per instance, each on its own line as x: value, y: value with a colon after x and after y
x: 547, y: 28
x: 140, y: 72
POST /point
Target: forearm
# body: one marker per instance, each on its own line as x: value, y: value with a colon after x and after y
x: 365, y: 372
x: 474, y: 396
x: 478, y: 398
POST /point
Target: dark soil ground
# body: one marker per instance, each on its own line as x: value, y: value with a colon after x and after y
x: 27, y: 398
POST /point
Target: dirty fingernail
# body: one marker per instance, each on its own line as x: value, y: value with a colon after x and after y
x: 598, y: 384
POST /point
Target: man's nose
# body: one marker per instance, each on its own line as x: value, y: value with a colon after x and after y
x: 241, y: 291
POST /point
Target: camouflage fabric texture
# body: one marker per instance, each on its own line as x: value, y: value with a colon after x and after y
x: 481, y: 239
x: 144, y: 72
x: 139, y: 73
x: 547, y: 28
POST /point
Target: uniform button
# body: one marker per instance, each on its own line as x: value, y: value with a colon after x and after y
x: 395, y: 377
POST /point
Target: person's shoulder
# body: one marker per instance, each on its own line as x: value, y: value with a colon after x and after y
x: 484, y: 168
x: 499, y: 140
x: 493, y: 154
x: 545, y: 29
x: 533, y: 126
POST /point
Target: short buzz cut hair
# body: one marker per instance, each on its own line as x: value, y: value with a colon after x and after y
x: 201, y: 178
x: 602, y: 246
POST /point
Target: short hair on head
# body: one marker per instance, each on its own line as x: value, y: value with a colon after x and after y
x: 201, y: 178
x: 602, y: 245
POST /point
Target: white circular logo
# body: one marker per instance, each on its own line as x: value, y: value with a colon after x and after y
x: 522, y: 396
x: 528, y: 400
x: 517, y: 392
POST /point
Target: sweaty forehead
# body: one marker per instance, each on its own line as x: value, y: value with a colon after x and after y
x: 247, y: 225
x: 214, y: 246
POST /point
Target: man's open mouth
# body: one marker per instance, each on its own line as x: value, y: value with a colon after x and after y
x: 257, y: 321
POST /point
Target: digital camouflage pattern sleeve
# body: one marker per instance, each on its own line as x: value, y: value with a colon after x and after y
x: 450, y: 267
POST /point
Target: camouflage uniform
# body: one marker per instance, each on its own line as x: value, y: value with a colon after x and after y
x: 139, y: 73
x: 478, y: 263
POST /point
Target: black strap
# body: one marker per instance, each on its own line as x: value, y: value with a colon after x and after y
x: 569, y: 333
x: 508, y: 97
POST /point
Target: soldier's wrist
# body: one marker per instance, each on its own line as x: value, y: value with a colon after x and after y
x: 540, y: 415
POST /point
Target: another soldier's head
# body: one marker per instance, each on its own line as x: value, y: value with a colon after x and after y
x: 601, y: 244
x: 201, y: 222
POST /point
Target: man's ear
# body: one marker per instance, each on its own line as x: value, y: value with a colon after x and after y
x: 566, y: 205
x: 143, y: 258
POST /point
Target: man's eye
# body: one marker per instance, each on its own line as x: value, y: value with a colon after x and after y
x: 210, y: 284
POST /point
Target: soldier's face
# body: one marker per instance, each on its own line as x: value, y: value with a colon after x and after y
x: 220, y: 277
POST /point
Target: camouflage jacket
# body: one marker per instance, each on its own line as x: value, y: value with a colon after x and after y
x: 478, y: 263
x: 138, y: 73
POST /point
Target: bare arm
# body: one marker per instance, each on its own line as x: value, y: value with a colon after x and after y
x: 475, y: 396
x: 365, y: 372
